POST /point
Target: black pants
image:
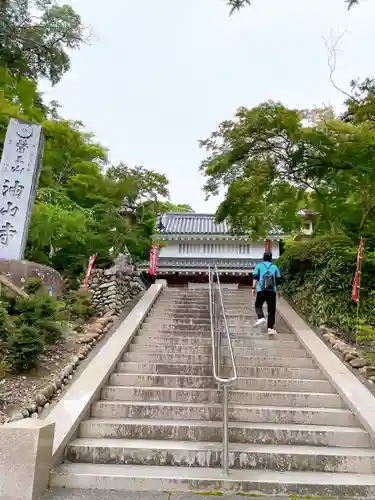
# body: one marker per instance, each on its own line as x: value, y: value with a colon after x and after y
x: 270, y: 298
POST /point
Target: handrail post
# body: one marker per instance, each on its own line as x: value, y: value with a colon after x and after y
x: 225, y: 430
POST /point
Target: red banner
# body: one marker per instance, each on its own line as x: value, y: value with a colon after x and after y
x: 268, y: 246
x: 357, y: 276
x: 154, y: 252
x: 89, y: 269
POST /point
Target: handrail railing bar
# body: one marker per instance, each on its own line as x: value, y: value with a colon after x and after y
x: 235, y: 376
x: 216, y: 355
x: 213, y: 332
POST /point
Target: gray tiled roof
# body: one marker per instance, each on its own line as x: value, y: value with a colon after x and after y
x: 187, y: 223
x: 180, y: 262
x: 181, y: 223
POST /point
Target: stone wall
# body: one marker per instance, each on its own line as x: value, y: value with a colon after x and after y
x: 113, y: 288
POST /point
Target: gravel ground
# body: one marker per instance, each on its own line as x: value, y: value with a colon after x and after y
x: 17, y: 391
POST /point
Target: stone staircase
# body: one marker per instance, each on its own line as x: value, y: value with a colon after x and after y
x: 158, y: 424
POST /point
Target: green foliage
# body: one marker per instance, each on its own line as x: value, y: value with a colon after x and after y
x: 50, y: 330
x: 82, y: 208
x: 41, y: 311
x: 172, y: 207
x: 78, y: 303
x: 318, y: 276
x: 33, y: 285
x: 24, y: 347
x: 273, y: 161
x: 37, y: 306
x: 35, y: 37
x: 27, y: 324
x: 6, y: 324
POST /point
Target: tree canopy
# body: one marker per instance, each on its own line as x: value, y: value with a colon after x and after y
x: 84, y: 205
x: 36, y: 35
x: 273, y: 161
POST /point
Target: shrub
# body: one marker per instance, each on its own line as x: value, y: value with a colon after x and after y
x: 50, y: 330
x: 43, y: 312
x: 6, y: 324
x: 33, y: 285
x: 318, y: 276
x: 79, y: 304
x: 23, y: 348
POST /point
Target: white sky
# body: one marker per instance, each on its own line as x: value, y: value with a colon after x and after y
x: 161, y: 74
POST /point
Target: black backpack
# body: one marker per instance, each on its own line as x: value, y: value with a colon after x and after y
x: 268, y: 280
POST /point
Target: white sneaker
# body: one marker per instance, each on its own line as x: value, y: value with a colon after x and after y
x: 260, y: 322
x: 272, y: 331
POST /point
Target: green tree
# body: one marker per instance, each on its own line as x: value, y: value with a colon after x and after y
x: 83, y: 205
x: 36, y: 35
x: 172, y: 207
x: 271, y: 163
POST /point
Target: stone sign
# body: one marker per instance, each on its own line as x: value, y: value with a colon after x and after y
x: 19, y: 177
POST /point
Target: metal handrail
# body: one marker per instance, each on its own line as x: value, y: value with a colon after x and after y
x: 216, y: 301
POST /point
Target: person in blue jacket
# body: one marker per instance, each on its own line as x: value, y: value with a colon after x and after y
x: 266, y: 276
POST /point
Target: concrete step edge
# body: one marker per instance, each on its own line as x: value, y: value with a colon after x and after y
x: 197, y: 446
x: 232, y: 425
x: 208, y: 365
x: 178, y: 404
x: 198, y: 377
x: 189, y: 478
x: 236, y: 391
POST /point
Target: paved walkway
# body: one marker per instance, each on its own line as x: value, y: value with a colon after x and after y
x: 144, y: 495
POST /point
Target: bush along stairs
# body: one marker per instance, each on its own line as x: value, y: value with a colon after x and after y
x: 158, y: 425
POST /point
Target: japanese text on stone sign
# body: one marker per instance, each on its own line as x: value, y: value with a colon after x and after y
x: 17, y: 185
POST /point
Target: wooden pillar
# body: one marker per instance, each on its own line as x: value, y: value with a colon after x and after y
x: 268, y: 246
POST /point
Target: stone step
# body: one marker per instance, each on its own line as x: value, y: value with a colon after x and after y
x: 191, y: 381
x: 241, y: 456
x: 196, y: 322
x: 165, y: 299
x: 203, y: 303
x: 183, y: 314
x: 250, y: 334
x: 206, y: 369
x: 339, y: 417
x: 239, y: 432
x: 237, y: 350
x: 198, y: 316
x: 205, y: 294
x: 172, y: 306
x: 157, y: 326
x: 203, y: 300
x: 245, y: 341
x: 165, y: 357
x: 159, y: 478
x: 198, y: 329
x: 200, y: 309
x: 168, y: 320
x: 201, y: 395
x: 186, y: 292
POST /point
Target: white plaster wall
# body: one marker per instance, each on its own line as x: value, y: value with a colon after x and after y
x: 220, y: 249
